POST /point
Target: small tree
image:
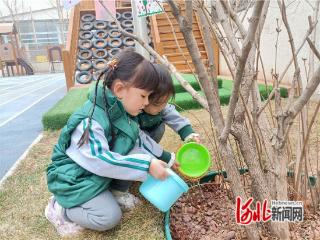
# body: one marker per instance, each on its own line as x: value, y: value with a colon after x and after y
x: 269, y: 179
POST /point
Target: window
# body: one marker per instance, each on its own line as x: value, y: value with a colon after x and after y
x: 25, y: 27
x: 45, y: 26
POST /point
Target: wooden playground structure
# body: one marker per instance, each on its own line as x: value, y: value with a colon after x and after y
x: 165, y: 42
x: 10, y: 53
x: 161, y: 34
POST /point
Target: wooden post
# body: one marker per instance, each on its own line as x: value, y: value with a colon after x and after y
x: 1, y: 66
x: 155, y: 34
x: 17, y: 49
x: 14, y: 54
x: 67, y: 51
x: 67, y: 69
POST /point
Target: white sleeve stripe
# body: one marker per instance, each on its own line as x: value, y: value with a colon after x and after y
x: 124, y: 161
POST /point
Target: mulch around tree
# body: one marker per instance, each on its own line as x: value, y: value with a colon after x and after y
x: 204, y: 211
x: 207, y: 212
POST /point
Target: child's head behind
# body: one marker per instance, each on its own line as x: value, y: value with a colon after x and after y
x: 131, y: 78
x: 160, y: 96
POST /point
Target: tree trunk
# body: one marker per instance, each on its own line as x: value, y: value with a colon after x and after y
x: 281, y: 190
x: 214, y: 110
x: 236, y: 183
x: 250, y: 155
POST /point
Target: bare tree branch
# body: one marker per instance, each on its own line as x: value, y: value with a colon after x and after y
x: 235, y: 18
x: 285, y: 21
x: 227, y: 29
x: 207, y: 38
x: 246, y: 11
x: 247, y: 44
x: 311, y: 87
x: 313, y: 38
x: 313, y: 48
x: 311, y: 27
x: 307, y: 139
x: 307, y: 1
x: 216, y: 31
x: 178, y: 44
x: 189, y: 12
x: 309, y: 31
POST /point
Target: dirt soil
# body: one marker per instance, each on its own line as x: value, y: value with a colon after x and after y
x: 207, y: 212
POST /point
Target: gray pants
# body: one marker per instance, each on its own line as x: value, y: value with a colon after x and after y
x: 101, y: 212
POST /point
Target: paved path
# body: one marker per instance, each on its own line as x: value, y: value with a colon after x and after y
x: 23, y: 101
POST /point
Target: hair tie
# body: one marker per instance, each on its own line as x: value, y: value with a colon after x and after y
x: 113, y: 64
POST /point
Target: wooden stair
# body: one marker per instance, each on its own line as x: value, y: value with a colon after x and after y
x: 165, y: 43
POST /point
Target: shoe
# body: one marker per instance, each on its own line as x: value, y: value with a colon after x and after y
x: 126, y: 200
x: 54, y: 213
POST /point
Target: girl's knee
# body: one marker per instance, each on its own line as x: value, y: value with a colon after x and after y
x: 108, y: 220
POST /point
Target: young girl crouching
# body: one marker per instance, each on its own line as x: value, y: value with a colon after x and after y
x: 91, y: 156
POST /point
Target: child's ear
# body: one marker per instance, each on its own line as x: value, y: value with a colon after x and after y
x: 119, y: 89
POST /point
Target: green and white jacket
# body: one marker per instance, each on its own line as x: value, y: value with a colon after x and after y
x: 78, y: 174
x: 169, y: 116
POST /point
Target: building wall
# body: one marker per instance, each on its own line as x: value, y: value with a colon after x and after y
x: 297, y: 14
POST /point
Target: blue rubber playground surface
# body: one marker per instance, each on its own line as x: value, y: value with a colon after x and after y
x: 23, y: 101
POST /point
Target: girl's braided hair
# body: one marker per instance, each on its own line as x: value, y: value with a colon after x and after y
x: 127, y: 66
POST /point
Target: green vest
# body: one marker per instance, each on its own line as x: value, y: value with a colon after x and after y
x: 71, y: 184
x: 149, y: 122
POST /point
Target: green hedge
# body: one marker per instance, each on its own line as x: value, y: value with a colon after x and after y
x: 264, y: 91
x: 59, y: 114
x: 193, y: 82
x: 184, y: 101
x: 190, y: 78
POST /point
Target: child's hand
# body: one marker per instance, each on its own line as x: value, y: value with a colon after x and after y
x: 193, y: 137
x: 175, y: 166
x: 173, y: 163
x: 158, y: 169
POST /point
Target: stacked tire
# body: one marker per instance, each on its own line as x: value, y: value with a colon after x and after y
x: 98, y: 42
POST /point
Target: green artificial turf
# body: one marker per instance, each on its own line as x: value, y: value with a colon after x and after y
x: 190, y: 78
x: 264, y: 91
x: 184, y: 101
x: 59, y: 114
